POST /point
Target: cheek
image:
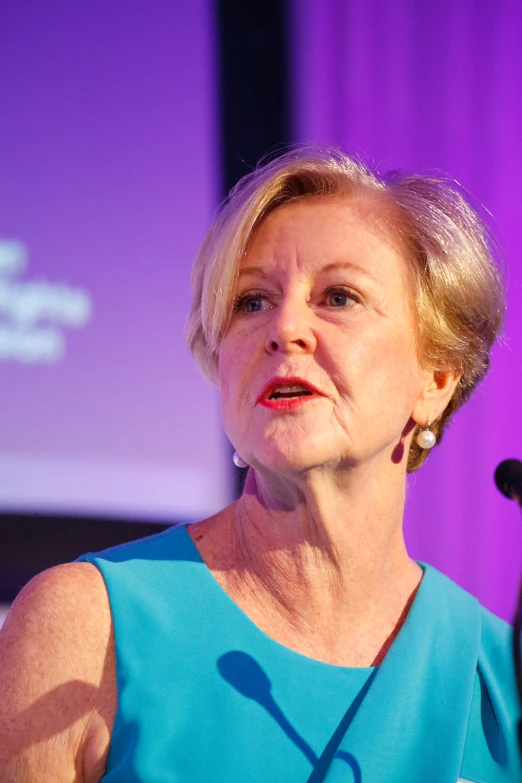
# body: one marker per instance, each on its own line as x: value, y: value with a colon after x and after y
x: 228, y: 406
x: 401, y: 375
x: 226, y: 375
x: 379, y: 368
x: 233, y: 375
x: 228, y: 362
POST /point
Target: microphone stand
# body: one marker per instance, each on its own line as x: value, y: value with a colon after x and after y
x: 508, y: 478
x: 517, y: 630
x: 517, y: 649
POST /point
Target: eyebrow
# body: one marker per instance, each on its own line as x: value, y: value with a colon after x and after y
x: 253, y: 270
x: 333, y: 267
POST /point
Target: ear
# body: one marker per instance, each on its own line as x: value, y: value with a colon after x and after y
x: 435, y: 395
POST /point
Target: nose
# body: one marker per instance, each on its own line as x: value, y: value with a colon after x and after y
x: 290, y: 329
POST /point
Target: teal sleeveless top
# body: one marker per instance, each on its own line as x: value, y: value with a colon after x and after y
x: 205, y: 695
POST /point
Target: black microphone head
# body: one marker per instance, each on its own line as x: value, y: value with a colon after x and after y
x: 508, y: 478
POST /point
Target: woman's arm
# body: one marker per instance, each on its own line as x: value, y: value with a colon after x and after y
x: 57, y: 679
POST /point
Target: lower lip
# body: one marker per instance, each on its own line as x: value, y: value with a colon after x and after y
x: 288, y: 403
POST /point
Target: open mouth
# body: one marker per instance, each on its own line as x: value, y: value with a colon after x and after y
x: 289, y: 392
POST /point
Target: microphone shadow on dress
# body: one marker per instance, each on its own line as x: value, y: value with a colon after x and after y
x: 244, y: 674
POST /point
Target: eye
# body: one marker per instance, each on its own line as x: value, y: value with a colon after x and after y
x: 340, y: 296
x: 251, y: 302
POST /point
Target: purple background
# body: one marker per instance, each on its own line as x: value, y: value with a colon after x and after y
x: 437, y: 84
x: 109, y: 175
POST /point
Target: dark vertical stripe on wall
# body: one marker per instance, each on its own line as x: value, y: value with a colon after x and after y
x: 254, y: 91
x: 254, y: 83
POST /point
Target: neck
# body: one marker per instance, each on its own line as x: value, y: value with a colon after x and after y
x: 325, y: 541
x: 349, y: 523
x: 320, y: 564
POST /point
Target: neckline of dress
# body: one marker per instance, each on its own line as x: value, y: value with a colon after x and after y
x: 284, y: 649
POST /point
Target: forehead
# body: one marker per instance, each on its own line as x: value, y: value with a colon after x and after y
x: 320, y: 232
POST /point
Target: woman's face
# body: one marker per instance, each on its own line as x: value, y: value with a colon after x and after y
x: 319, y: 366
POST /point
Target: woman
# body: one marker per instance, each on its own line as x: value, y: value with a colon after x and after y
x: 344, y: 318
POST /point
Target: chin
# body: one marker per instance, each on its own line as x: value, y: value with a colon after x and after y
x: 285, y: 458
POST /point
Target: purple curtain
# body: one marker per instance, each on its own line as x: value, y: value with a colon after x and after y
x: 424, y: 85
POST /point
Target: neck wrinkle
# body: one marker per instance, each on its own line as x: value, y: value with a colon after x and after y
x: 303, y: 563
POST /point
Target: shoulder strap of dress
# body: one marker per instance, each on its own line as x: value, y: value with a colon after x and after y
x: 412, y: 723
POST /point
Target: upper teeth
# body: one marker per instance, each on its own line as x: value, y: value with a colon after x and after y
x: 290, y: 389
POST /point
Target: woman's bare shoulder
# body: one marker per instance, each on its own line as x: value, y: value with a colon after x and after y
x: 63, y: 609
x: 57, y: 676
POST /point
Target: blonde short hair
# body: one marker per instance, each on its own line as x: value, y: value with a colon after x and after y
x: 458, y: 288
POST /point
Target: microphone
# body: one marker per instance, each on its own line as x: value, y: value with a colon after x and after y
x: 508, y: 478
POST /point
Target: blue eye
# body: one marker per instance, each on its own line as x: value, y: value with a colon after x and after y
x: 252, y: 305
x: 249, y: 303
x: 340, y: 297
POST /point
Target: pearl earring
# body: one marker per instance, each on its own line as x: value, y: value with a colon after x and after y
x: 426, y: 438
x: 238, y: 460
